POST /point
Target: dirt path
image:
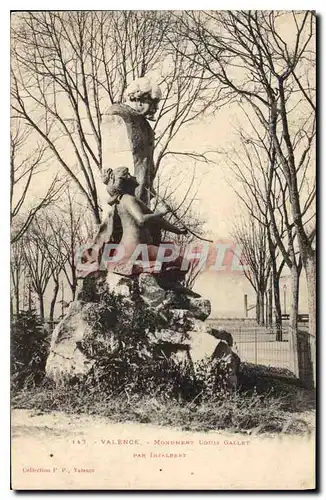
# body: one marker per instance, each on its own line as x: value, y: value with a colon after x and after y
x: 60, y: 451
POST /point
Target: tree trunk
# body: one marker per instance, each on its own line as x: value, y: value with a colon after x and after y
x: 54, y: 300
x: 17, y: 299
x: 262, y: 307
x: 96, y: 213
x: 310, y: 270
x: 270, y: 302
x: 73, y: 288
x: 293, y: 326
x: 295, y: 275
x: 30, y: 302
x: 73, y: 284
x: 278, y: 310
x: 266, y: 308
x: 258, y: 308
x: 41, y: 305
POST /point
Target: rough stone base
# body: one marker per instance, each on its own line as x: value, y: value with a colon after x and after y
x: 103, y: 313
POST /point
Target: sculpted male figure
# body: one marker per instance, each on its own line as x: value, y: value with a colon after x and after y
x: 128, y: 138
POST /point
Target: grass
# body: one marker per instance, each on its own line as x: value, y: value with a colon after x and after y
x: 268, y: 400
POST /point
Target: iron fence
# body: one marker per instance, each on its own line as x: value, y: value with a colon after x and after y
x: 285, y: 349
x: 260, y: 346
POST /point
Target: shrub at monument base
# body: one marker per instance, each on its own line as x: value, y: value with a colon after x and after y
x: 29, y: 349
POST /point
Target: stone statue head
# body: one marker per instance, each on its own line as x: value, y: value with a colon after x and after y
x: 118, y: 182
x: 143, y: 95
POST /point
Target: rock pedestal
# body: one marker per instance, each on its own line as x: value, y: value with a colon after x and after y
x: 113, y: 314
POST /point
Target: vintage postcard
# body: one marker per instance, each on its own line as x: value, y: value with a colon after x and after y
x: 163, y: 250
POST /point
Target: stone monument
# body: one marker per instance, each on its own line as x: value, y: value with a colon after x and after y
x: 129, y: 304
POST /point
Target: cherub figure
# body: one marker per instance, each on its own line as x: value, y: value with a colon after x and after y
x: 131, y: 224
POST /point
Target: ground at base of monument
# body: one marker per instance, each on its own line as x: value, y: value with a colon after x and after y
x: 276, y: 405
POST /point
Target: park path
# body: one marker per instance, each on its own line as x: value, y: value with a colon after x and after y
x: 61, y: 451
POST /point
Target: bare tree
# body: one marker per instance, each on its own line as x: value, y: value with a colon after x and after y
x: 17, y: 265
x: 70, y: 226
x: 67, y: 67
x: 271, y: 71
x: 25, y: 163
x: 49, y: 230
x: 264, y: 193
x: 40, y: 265
x: 252, y: 236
